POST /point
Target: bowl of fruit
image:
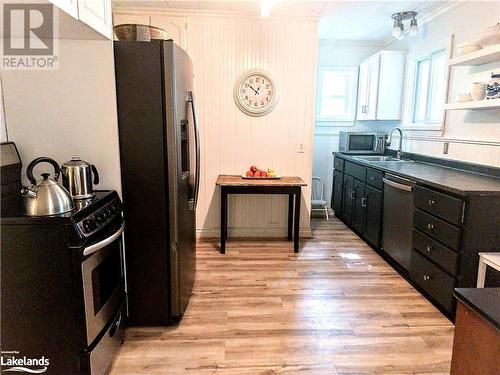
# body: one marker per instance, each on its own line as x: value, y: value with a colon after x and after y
x: 256, y: 173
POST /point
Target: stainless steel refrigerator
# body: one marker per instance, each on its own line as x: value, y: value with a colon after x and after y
x: 160, y: 159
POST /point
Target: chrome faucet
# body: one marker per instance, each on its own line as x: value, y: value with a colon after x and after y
x: 399, y: 153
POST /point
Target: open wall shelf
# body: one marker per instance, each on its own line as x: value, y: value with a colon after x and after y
x: 483, y: 56
x: 477, y: 104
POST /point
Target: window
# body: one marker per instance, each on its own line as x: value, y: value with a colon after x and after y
x: 425, y: 87
x: 336, y: 98
x: 430, y: 85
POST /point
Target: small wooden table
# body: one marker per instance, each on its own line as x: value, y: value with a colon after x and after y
x: 230, y: 184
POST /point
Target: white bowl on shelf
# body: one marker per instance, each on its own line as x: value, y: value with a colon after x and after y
x: 466, y: 97
x: 465, y: 48
x: 490, y: 36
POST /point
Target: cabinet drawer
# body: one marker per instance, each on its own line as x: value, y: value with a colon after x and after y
x: 338, y: 163
x: 440, y: 254
x: 438, y: 229
x: 375, y: 178
x: 442, y: 205
x: 355, y: 170
x: 433, y: 280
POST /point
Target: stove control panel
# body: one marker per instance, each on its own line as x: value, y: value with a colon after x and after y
x: 98, y: 219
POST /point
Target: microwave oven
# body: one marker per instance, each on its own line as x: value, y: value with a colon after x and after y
x: 362, y: 142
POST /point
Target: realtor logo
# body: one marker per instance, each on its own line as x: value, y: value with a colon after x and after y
x: 10, y: 361
x: 29, y: 36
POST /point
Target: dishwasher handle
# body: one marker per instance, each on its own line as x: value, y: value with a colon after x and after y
x: 398, y: 185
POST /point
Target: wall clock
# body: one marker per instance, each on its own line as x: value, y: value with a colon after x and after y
x: 255, y: 92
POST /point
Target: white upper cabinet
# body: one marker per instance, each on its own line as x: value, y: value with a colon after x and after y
x: 93, y: 13
x: 381, y: 86
x: 96, y: 14
x: 68, y: 6
x: 175, y: 26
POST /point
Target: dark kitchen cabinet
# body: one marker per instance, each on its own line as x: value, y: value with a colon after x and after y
x: 337, y: 189
x: 348, y: 200
x: 373, y: 215
x: 449, y: 228
x: 358, y: 206
x: 356, y: 203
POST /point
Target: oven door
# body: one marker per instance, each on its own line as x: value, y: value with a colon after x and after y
x: 103, y: 282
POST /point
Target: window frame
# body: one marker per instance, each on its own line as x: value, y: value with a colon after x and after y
x: 351, y: 116
x: 410, y: 90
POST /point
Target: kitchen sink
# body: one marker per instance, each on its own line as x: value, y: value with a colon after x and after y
x: 379, y: 158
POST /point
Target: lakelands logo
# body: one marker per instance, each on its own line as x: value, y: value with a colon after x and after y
x: 11, y: 361
x: 29, y: 36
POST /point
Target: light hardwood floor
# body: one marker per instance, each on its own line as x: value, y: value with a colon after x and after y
x: 334, y: 308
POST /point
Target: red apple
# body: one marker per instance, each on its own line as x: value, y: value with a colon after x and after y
x: 253, y: 168
x: 263, y: 174
x: 258, y: 173
x: 249, y: 174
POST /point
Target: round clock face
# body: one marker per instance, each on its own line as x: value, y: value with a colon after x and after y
x: 255, y: 93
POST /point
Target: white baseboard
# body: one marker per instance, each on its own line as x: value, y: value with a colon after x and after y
x: 250, y: 232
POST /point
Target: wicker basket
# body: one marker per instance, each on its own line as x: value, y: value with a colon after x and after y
x: 138, y: 32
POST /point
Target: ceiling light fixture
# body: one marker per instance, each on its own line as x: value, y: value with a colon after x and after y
x: 398, y: 28
x: 265, y: 8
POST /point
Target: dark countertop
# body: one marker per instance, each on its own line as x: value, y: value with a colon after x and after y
x: 484, y: 301
x: 448, y: 179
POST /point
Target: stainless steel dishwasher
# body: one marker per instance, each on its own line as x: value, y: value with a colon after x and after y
x: 398, y: 219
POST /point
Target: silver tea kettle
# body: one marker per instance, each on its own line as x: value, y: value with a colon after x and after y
x: 77, y: 178
x: 45, y: 197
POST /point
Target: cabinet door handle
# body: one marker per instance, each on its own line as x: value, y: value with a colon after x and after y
x: 429, y: 248
x: 363, y: 202
x: 427, y: 277
x: 430, y: 202
x: 430, y: 226
x: 353, y: 194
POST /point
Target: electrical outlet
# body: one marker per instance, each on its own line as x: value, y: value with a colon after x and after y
x: 301, y: 148
x: 446, y: 146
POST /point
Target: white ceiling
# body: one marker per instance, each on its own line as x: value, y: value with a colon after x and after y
x: 339, y: 20
x: 367, y: 20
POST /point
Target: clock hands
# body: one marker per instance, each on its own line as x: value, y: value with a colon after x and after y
x: 255, y: 91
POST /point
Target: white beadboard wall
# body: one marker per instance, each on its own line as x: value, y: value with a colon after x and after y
x: 222, y: 47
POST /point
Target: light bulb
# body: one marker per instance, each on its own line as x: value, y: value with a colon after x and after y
x: 397, y: 29
x: 413, y: 27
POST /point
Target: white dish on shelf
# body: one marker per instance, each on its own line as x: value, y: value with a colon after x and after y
x: 465, y: 48
x: 466, y: 97
x: 490, y: 36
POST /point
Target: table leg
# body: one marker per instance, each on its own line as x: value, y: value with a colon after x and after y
x: 481, y: 273
x: 290, y: 216
x: 223, y: 220
x: 296, y: 223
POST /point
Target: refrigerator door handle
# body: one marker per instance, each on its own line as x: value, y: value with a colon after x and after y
x: 194, y: 201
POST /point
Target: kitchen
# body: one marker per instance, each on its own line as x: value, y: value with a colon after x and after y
x: 338, y: 303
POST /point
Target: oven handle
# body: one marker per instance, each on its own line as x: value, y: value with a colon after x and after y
x: 99, y: 245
